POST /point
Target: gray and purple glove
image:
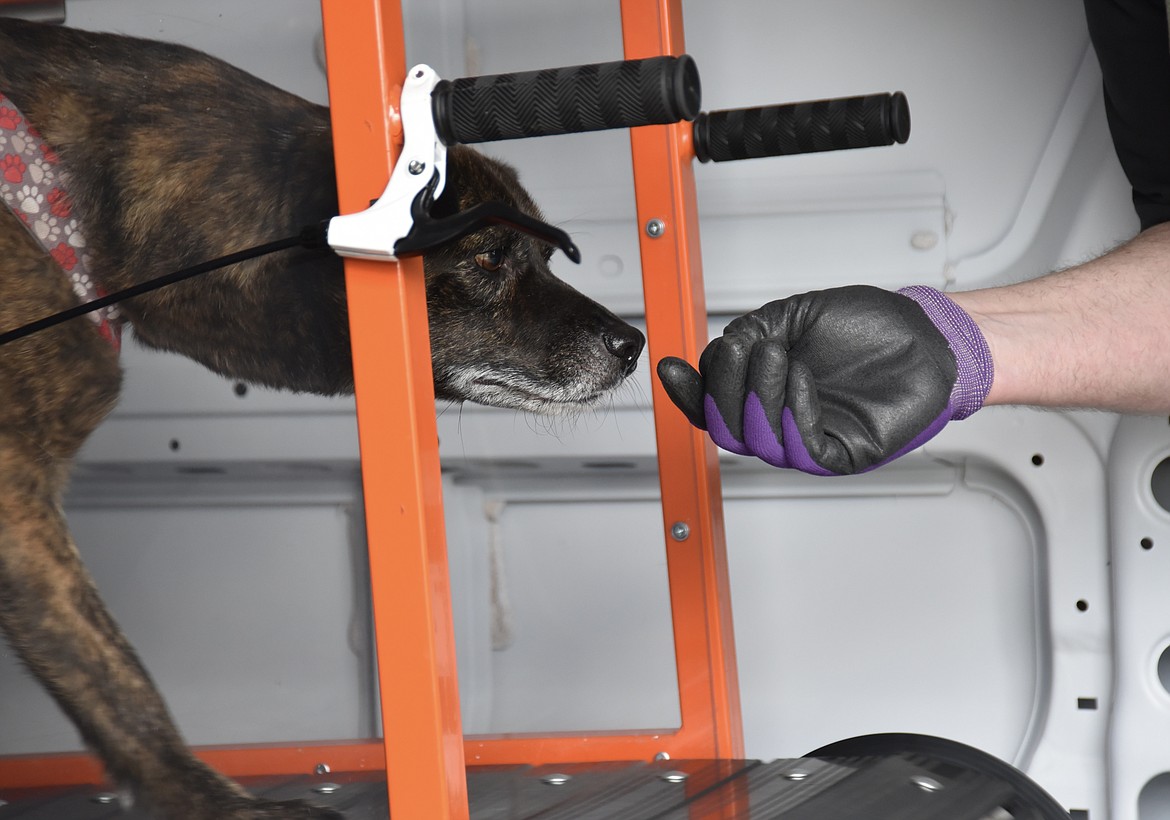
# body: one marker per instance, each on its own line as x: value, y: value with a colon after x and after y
x: 838, y: 381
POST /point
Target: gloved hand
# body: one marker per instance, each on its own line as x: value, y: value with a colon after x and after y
x: 838, y: 381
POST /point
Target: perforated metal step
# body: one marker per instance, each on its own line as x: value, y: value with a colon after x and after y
x: 897, y: 787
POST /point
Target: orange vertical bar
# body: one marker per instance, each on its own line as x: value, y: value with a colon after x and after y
x: 676, y: 319
x: 396, y: 426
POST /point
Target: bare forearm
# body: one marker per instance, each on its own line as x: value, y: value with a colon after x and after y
x: 1097, y: 335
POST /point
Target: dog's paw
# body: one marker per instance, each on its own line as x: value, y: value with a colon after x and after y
x: 199, y: 793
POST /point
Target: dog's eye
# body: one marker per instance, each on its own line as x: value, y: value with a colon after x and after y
x: 490, y: 261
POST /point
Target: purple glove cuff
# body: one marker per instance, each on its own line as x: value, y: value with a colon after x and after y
x: 972, y: 355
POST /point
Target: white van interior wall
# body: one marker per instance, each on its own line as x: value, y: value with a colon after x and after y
x: 224, y: 525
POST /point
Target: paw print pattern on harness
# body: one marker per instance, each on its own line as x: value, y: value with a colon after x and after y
x: 34, y: 188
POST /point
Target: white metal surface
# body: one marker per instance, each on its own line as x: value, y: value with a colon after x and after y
x: 1139, y: 752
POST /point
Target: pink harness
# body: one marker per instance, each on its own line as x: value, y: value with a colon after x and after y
x: 34, y: 188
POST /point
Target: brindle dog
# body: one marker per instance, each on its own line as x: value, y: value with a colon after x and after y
x: 174, y: 158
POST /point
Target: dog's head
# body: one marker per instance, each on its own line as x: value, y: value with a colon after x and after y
x: 504, y: 330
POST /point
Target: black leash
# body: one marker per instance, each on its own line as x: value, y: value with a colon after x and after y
x: 425, y: 232
x: 311, y: 238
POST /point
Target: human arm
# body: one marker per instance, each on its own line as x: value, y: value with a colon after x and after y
x: 1095, y: 336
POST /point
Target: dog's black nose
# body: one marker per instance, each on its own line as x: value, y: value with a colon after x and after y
x: 626, y: 343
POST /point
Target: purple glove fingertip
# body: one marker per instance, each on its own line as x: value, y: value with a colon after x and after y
x: 798, y: 455
x: 762, y: 441
x: 718, y: 430
x: 972, y: 355
x: 758, y: 434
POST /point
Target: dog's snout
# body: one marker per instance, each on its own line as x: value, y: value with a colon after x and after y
x: 626, y: 343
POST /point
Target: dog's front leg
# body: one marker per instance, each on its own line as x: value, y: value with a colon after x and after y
x: 54, y: 619
x: 55, y: 388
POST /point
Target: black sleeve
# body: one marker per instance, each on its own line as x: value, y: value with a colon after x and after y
x: 1133, y: 47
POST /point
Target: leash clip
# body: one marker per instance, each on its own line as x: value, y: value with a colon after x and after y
x: 399, y: 222
x: 374, y: 232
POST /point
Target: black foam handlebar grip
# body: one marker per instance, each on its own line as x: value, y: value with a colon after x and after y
x: 621, y: 94
x: 802, y: 128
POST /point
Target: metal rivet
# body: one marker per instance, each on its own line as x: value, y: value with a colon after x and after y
x: 674, y: 776
x: 655, y: 228
x: 105, y: 798
x: 322, y: 768
x: 797, y: 775
x: 555, y: 779
x: 927, y: 784
x: 662, y: 756
x: 681, y: 531
x: 416, y: 167
x: 326, y: 788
